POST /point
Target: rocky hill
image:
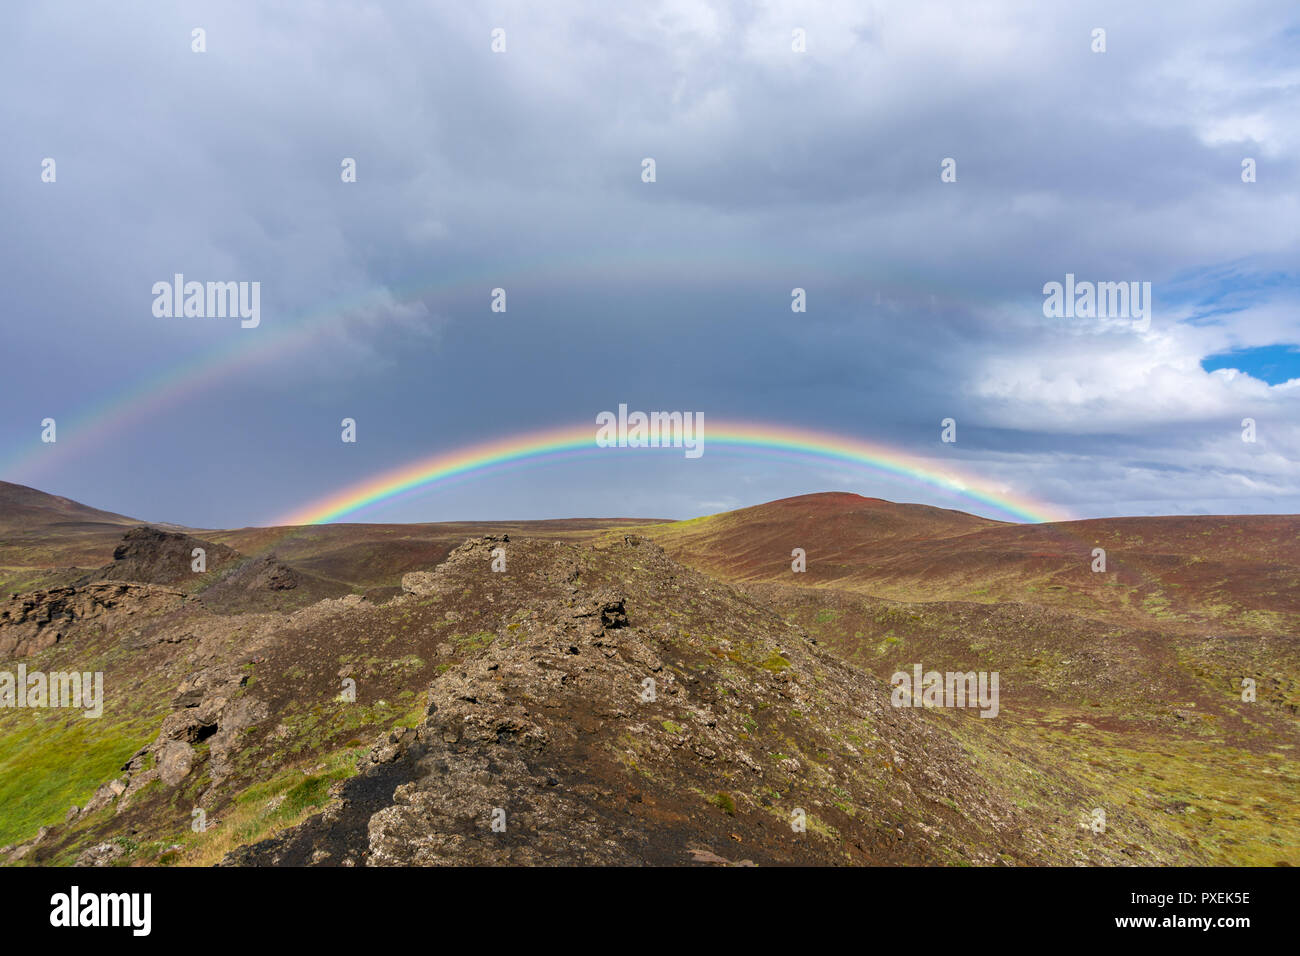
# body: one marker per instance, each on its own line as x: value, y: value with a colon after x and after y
x: 614, y: 707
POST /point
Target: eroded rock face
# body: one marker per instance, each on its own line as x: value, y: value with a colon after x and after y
x: 213, y: 707
x: 39, y: 619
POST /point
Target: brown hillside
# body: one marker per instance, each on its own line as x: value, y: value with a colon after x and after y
x: 23, y: 508
x: 1187, y: 573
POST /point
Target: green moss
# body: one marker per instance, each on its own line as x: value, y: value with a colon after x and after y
x: 473, y: 643
x: 821, y: 827
x: 724, y: 802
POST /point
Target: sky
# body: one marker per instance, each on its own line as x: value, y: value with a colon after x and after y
x: 775, y: 169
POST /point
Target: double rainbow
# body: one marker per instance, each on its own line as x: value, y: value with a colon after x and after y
x: 751, y: 438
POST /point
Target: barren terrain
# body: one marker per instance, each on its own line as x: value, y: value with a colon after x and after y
x: 652, y: 692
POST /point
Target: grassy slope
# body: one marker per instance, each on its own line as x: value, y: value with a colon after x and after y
x: 1130, y: 681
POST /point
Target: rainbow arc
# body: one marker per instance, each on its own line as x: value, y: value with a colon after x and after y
x: 759, y: 439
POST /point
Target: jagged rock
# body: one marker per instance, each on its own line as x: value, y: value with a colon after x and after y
x: 175, y: 760
x: 101, y: 854
x: 236, y: 716
x: 188, y: 698
x: 387, y: 748
x: 105, y: 795
x: 419, y: 583
x: 23, y: 849
x: 187, y: 727
x: 603, y: 611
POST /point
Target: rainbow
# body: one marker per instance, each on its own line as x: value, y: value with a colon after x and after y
x: 744, y: 437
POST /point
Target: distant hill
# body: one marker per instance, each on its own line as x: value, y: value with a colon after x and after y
x: 837, y: 530
x: 24, y: 509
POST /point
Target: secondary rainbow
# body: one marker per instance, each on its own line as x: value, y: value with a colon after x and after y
x: 292, y: 336
x: 782, y: 441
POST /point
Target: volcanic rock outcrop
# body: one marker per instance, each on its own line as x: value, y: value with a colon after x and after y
x: 155, y: 556
x: 624, y: 709
x: 36, y: 620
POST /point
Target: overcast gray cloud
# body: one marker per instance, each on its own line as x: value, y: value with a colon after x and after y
x: 522, y: 170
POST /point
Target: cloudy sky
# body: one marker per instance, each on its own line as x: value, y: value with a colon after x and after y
x: 775, y: 169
